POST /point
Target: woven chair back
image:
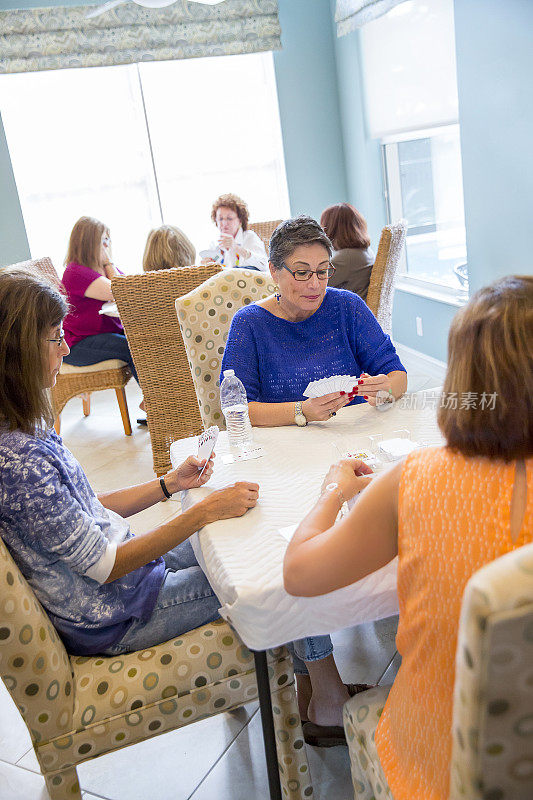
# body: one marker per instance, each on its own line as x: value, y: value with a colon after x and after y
x: 265, y: 230
x: 146, y: 307
x: 205, y: 316
x: 381, y: 289
x: 43, y: 267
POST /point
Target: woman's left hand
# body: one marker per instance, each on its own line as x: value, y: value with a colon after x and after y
x: 351, y: 474
x: 372, y: 384
x: 225, y: 241
x: 187, y: 475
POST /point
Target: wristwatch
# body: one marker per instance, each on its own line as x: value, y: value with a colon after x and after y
x: 299, y: 416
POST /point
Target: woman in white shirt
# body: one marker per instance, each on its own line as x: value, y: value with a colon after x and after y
x: 237, y: 246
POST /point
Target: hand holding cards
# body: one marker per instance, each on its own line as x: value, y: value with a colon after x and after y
x: 206, y: 444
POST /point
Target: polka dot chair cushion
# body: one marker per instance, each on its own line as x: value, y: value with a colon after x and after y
x: 205, y: 316
x: 77, y: 708
x: 492, y: 755
x: 361, y: 717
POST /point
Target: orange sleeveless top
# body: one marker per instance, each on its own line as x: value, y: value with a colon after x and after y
x: 454, y: 517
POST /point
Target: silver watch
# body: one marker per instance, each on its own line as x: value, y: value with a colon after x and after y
x: 299, y: 416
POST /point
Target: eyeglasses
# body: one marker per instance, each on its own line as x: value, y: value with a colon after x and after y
x: 58, y: 340
x: 305, y: 274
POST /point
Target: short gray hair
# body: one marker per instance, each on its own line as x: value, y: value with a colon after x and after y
x: 292, y: 233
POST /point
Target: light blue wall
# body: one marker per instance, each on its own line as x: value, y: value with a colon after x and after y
x: 309, y: 106
x: 494, y: 42
x: 364, y: 175
x: 13, y: 240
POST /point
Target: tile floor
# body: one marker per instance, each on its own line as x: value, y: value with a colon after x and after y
x: 219, y: 758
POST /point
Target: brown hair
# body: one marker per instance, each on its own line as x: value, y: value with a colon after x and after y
x: 490, y: 354
x: 236, y: 204
x: 345, y: 226
x: 29, y: 307
x: 167, y: 247
x: 85, y: 244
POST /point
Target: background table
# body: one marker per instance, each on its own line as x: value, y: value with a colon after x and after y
x: 243, y: 557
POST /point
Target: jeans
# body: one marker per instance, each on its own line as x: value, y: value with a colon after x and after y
x: 186, y: 601
x: 101, y: 347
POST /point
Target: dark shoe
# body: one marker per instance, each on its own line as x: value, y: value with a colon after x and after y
x: 142, y: 421
x: 330, y: 735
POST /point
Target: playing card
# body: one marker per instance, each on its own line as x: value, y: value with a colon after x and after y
x: 335, y: 383
x: 206, y: 444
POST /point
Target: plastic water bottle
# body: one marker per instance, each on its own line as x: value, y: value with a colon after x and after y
x: 234, y: 405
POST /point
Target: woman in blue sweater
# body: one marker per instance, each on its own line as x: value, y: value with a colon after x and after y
x: 307, y: 331
x: 277, y: 346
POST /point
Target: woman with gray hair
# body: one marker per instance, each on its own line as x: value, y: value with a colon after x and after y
x: 307, y: 331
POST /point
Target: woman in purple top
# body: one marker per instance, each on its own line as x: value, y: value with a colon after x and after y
x: 105, y: 590
x: 91, y: 336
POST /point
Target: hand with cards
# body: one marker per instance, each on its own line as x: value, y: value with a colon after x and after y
x: 327, y: 395
x: 195, y: 470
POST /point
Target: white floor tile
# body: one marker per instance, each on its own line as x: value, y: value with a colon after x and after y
x: 14, y: 737
x: 241, y: 772
x: 167, y: 767
x: 19, y: 784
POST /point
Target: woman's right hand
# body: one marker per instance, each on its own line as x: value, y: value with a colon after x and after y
x: 321, y: 408
x: 351, y: 474
x: 232, y: 501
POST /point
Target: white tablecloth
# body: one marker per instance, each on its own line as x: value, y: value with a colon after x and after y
x: 243, y: 557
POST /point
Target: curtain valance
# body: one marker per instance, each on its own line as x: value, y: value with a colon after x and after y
x: 63, y: 37
x: 352, y: 14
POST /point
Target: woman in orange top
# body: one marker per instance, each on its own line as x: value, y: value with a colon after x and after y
x: 446, y: 512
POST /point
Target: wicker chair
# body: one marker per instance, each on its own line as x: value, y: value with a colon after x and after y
x: 205, y: 316
x: 146, y: 306
x: 381, y: 289
x: 78, y: 708
x: 265, y: 230
x: 74, y: 381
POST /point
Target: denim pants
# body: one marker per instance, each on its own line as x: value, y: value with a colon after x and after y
x: 186, y: 601
x: 101, y: 347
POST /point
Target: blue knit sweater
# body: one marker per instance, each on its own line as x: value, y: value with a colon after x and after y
x: 276, y: 359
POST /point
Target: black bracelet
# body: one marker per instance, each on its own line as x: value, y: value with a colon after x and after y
x: 164, y: 488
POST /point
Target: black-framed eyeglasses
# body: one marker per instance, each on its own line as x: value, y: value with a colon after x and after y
x: 58, y: 340
x: 305, y: 274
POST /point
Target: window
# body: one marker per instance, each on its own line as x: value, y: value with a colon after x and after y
x: 412, y: 108
x: 424, y: 185
x: 139, y: 145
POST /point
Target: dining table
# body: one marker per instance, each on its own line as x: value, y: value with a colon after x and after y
x: 243, y: 557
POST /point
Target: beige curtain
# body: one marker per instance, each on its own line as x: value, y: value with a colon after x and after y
x: 63, y: 37
x: 352, y: 14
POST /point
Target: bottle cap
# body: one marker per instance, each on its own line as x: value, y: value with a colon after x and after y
x: 229, y: 372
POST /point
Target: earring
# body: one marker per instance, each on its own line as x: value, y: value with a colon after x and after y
x: 277, y: 294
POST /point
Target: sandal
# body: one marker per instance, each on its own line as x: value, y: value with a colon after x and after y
x: 330, y: 735
x: 142, y: 421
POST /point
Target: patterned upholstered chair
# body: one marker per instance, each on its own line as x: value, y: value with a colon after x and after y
x: 204, y: 317
x: 74, y: 381
x: 147, y: 310
x: 77, y: 708
x: 265, y: 230
x: 493, y: 693
x: 381, y: 288
x: 492, y: 754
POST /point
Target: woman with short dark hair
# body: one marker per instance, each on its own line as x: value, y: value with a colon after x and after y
x: 446, y: 511
x: 353, y: 258
x: 308, y: 331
